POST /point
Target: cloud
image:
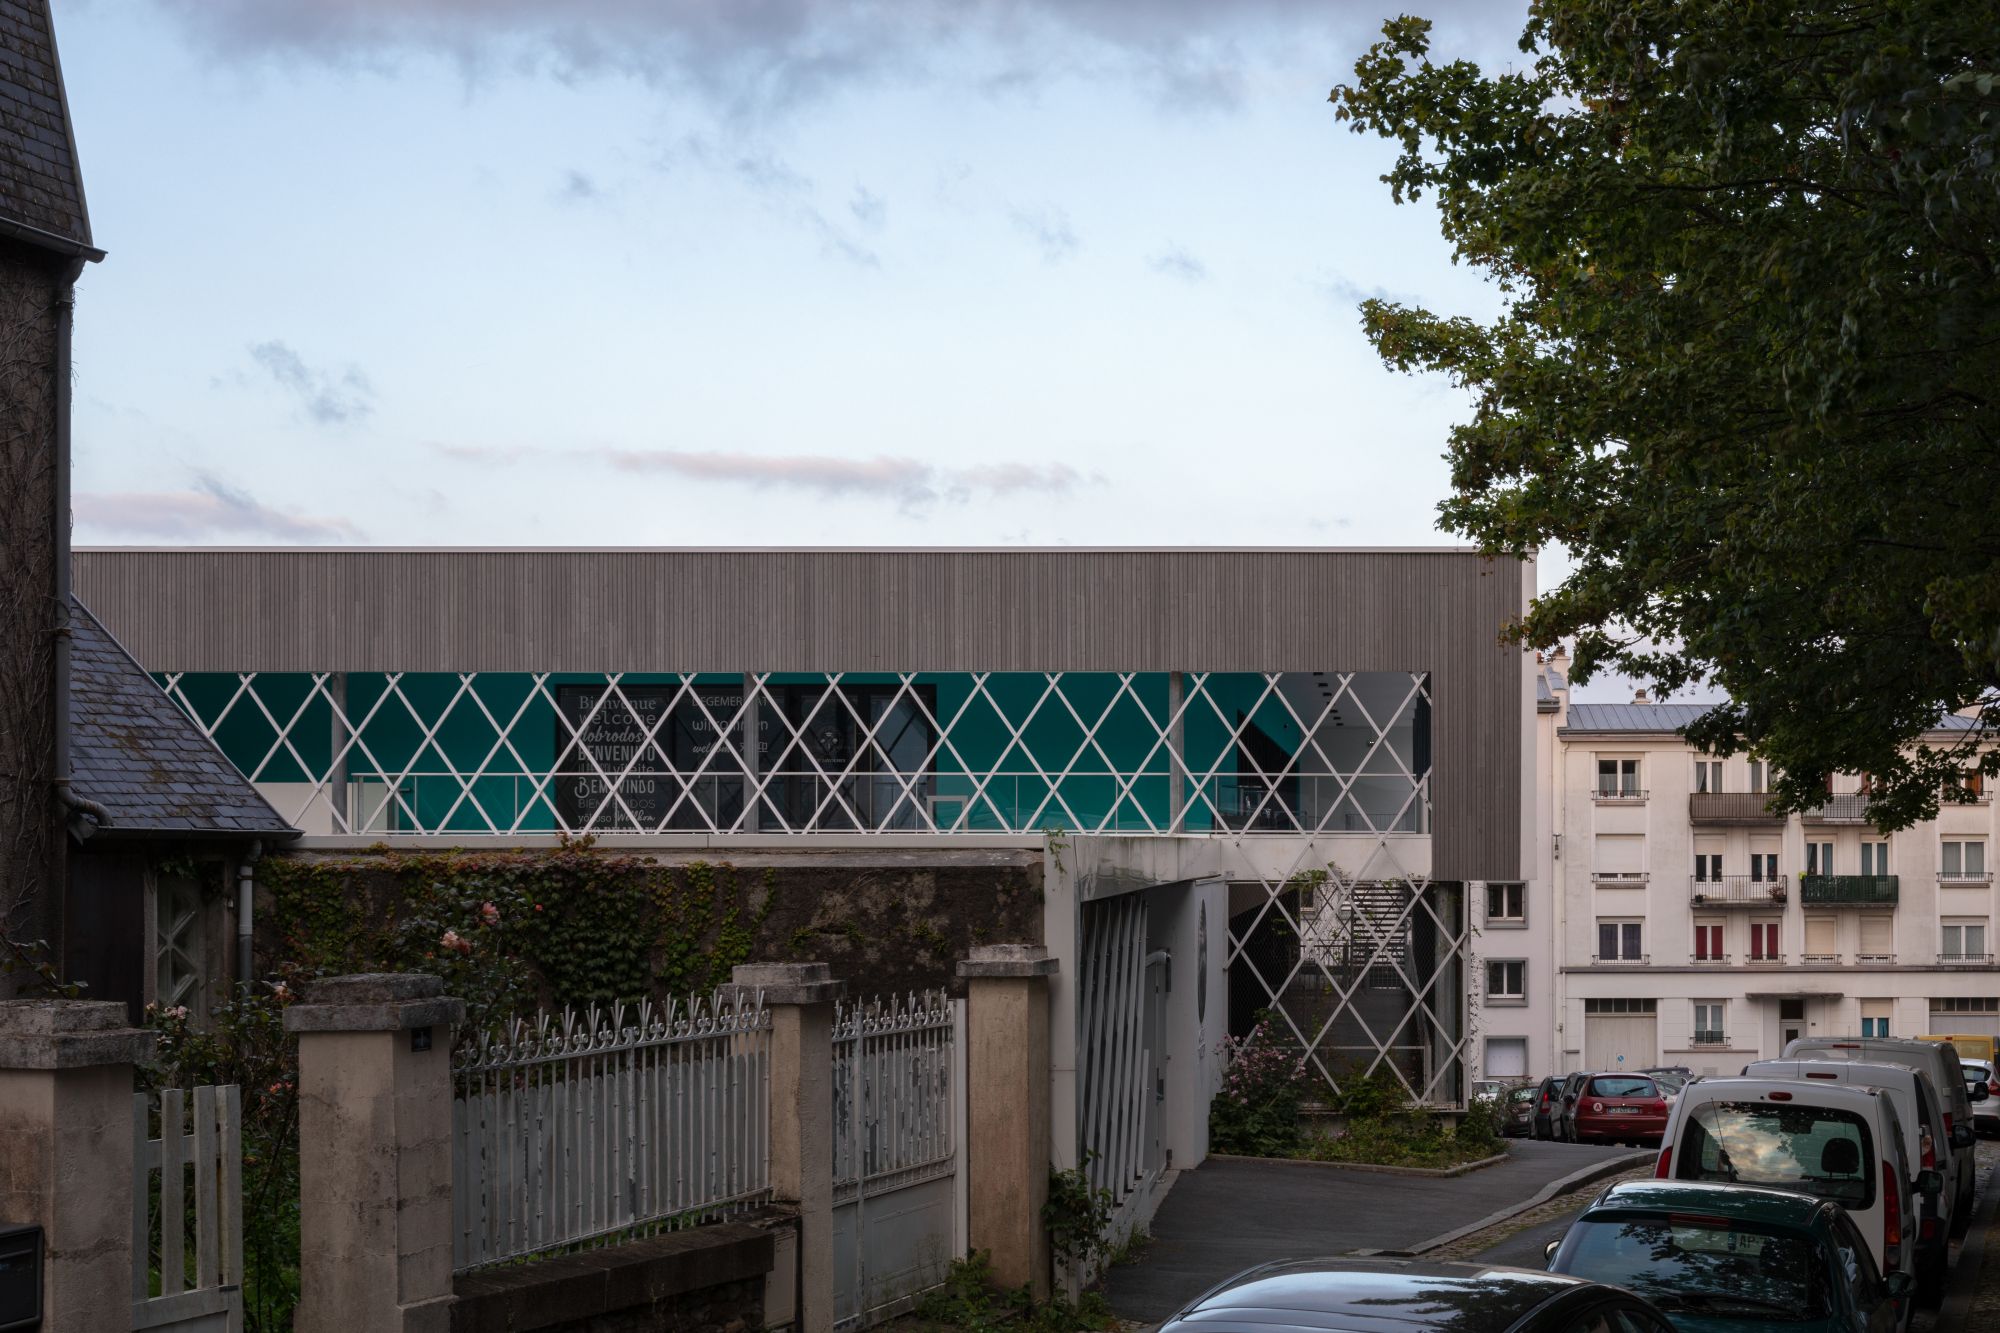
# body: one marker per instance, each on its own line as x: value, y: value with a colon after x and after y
x: 578, y: 188
x: 785, y: 191
x: 1049, y: 229
x: 1345, y: 292
x: 328, y: 399
x: 209, y: 508
x: 911, y: 483
x: 1178, y: 263
x: 868, y: 208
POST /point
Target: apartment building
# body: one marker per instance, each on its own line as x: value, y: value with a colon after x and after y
x: 1693, y: 927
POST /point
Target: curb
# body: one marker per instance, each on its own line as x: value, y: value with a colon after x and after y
x: 1561, y: 1185
x: 1971, y: 1258
x: 1432, y: 1172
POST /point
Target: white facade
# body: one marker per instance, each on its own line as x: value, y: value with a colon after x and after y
x: 1692, y: 928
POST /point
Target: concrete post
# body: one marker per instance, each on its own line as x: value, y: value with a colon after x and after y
x: 1007, y: 1109
x: 800, y: 997
x: 66, y: 1151
x: 375, y: 1153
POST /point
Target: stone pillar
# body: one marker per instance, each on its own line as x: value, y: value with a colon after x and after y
x: 375, y: 1153
x: 66, y: 1151
x: 1007, y: 1109
x: 800, y: 997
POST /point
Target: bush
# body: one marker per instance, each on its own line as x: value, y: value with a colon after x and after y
x: 1479, y: 1128
x: 1257, y: 1112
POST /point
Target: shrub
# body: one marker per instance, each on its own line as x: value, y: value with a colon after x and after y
x: 1257, y: 1112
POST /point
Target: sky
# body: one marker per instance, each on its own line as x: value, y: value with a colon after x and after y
x: 710, y: 272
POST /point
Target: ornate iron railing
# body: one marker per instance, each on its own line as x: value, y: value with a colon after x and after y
x: 892, y: 1092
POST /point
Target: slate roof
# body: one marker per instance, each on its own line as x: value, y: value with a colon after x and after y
x: 1632, y: 717
x: 143, y: 759
x: 41, y: 185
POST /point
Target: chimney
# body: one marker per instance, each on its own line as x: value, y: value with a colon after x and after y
x: 1639, y: 697
x: 1558, y: 654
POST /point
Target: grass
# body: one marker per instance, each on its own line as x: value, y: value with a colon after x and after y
x: 1414, y: 1140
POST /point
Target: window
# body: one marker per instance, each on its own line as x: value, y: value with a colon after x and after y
x: 1708, y: 1029
x: 1788, y: 1144
x: 1972, y: 783
x: 1708, y: 775
x: 1874, y: 858
x: 1959, y: 1004
x: 1620, y: 1005
x: 1821, y: 938
x: 1506, y: 904
x: 1619, y: 942
x: 1764, y: 867
x: 1764, y: 942
x: 1964, y: 941
x: 1875, y: 1017
x: 1760, y: 775
x: 1708, y: 942
x: 180, y: 957
x: 1618, y: 777
x: 1964, y: 860
x: 1620, y: 856
x: 1878, y: 942
x: 1819, y: 858
x: 1708, y: 866
x: 1507, y: 979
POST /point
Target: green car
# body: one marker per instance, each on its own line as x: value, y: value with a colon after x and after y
x: 1719, y: 1258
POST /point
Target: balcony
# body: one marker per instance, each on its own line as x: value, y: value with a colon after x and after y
x: 1955, y: 878
x: 1765, y: 960
x: 1643, y: 960
x: 1710, y: 960
x: 1711, y: 1039
x: 1848, y: 890
x: 1847, y: 808
x: 1731, y: 807
x: 1818, y: 959
x: 1737, y: 891
x: 1965, y: 960
x: 1874, y: 960
x: 1619, y: 796
x: 1612, y: 879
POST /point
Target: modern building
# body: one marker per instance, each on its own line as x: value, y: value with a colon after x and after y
x: 1694, y: 927
x: 1261, y: 784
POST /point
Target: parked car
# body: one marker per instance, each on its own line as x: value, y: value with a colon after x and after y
x: 1734, y: 1257
x: 1670, y: 1081
x: 1408, y: 1295
x: 1548, y: 1101
x: 1488, y: 1089
x: 1925, y: 1143
x: 1939, y: 1059
x: 1619, y: 1108
x: 1985, y: 1111
x: 1837, y: 1141
x: 1566, y: 1107
x: 1517, y: 1113
x: 1969, y: 1045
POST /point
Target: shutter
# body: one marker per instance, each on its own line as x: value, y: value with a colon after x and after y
x: 1620, y: 853
x: 1875, y: 935
x: 1820, y: 936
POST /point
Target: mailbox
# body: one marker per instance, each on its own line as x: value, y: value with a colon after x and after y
x: 20, y: 1278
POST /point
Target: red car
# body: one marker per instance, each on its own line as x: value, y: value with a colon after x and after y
x: 1620, y: 1108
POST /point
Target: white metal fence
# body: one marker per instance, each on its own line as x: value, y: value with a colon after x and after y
x: 207, y: 1296
x: 1117, y: 1046
x: 581, y: 1129
x: 896, y: 1114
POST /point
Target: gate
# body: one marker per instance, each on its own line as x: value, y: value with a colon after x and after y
x: 898, y: 1092
x: 200, y: 1286
x: 1119, y: 1022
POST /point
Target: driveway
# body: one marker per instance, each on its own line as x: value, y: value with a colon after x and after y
x: 1227, y: 1215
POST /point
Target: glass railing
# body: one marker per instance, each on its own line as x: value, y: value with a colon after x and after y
x: 1848, y: 889
x: 1732, y: 807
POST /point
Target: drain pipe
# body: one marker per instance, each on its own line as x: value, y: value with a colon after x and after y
x: 66, y: 797
x: 246, y: 893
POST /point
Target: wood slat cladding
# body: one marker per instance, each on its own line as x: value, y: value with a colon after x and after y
x: 883, y: 610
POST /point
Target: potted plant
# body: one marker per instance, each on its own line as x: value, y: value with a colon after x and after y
x: 1777, y: 893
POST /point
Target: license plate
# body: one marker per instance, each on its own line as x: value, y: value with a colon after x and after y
x: 1621, y: 1110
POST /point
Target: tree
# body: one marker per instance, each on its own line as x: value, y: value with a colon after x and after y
x: 1746, y: 366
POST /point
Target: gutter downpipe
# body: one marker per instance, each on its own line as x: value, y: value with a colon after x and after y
x: 246, y: 893
x: 65, y: 321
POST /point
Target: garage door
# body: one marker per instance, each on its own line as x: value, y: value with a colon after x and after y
x: 1620, y: 1041
x: 1981, y: 1024
x: 1506, y: 1057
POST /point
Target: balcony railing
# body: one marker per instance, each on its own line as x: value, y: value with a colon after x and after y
x: 1731, y: 807
x: 1874, y: 959
x: 1710, y: 960
x: 1965, y: 877
x: 1847, y: 808
x: 1619, y: 796
x: 1965, y: 960
x: 1738, y: 891
x: 1765, y: 960
x: 1634, y: 877
x: 1702, y: 1038
x: 1848, y: 890
x: 1819, y: 957
x: 1614, y: 961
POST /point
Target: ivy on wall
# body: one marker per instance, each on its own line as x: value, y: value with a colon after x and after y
x: 513, y: 930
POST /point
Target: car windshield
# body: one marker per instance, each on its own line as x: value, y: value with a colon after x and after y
x: 1521, y: 1095
x: 1623, y: 1085
x: 1670, y: 1082
x: 1820, y: 1149
x: 1701, y: 1265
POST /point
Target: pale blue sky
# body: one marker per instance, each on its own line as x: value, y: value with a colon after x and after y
x: 945, y: 271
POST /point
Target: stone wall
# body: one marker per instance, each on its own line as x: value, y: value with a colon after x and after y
x: 706, y: 1280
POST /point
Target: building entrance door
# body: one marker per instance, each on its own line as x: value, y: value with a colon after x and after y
x: 1791, y: 1022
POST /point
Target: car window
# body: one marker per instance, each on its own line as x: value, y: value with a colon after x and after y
x: 1699, y: 1264
x: 1624, y: 1085
x: 1823, y: 1150
x: 1521, y: 1095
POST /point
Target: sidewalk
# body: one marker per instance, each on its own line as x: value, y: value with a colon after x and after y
x: 1224, y: 1216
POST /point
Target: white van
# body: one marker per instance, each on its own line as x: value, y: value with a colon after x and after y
x: 1924, y: 1140
x: 1838, y: 1141
x: 1939, y: 1059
